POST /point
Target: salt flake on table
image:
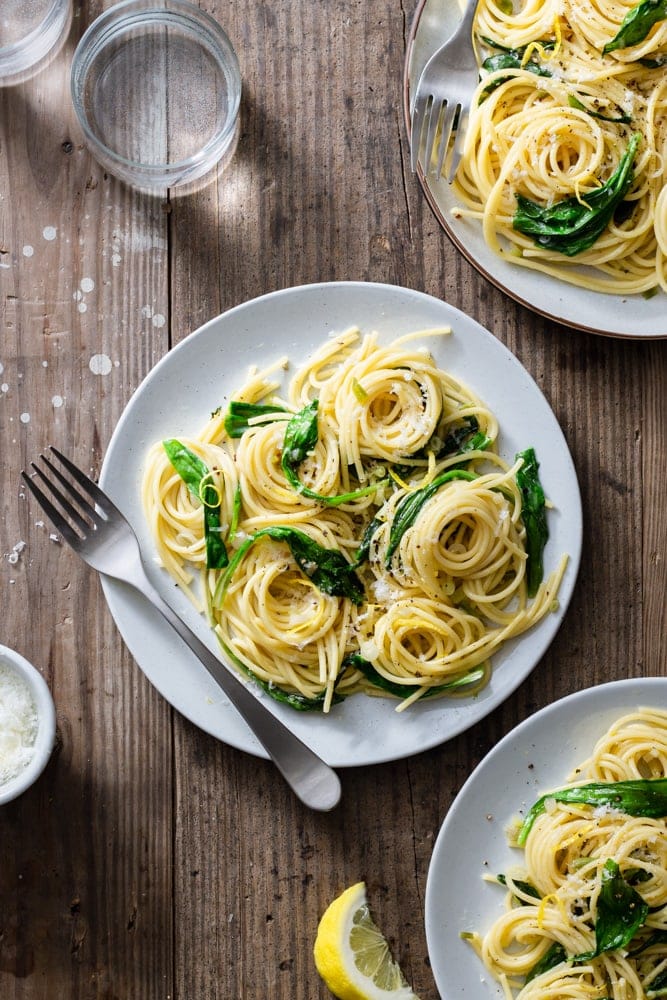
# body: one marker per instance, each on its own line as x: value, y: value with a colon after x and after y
x: 100, y: 364
x: 15, y: 554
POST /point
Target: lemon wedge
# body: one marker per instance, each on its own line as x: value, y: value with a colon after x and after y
x: 351, y: 954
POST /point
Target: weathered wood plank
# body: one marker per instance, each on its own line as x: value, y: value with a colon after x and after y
x: 85, y: 872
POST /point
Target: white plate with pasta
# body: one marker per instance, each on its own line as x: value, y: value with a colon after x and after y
x: 273, y: 605
x: 570, y: 128
x: 535, y: 759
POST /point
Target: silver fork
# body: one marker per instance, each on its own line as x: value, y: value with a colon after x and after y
x: 101, y: 535
x: 442, y: 95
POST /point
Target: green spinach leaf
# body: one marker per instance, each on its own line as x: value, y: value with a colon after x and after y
x: 362, y: 553
x: 638, y: 797
x: 461, y: 439
x: 239, y: 415
x: 636, y: 24
x: 508, y: 59
x: 408, y: 509
x: 551, y: 958
x: 197, y: 477
x: 572, y: 226
x: 294, y: 699
x: 621, y: 911
x: 622, y: 118
x: 327, y: 568
x: 357, y: 662
x: 655, y: 937
x: 526, y: 887
x: 300, y: 439
x: 534, y: 517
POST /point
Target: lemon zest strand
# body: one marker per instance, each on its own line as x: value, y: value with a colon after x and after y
x: 538, y: 48
x: 207, y: 483
x: 551, y: 897
x: 430, y: 472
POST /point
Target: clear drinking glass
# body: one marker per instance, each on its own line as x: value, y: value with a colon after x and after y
x: 31, y: 33
x: 156, y: 86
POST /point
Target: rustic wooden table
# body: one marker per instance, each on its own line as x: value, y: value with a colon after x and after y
x: 151, y: 861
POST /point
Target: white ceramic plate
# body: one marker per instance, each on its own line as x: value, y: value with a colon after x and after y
x: 532, y: 759
x: 594, y: 312
x: 200, y: 374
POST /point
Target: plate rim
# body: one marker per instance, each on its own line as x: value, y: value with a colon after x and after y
x: 112, y: 589
x: 453, y: 237
x: 603, y: 690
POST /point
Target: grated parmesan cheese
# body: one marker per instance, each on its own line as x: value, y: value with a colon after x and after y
x: 18, y: 724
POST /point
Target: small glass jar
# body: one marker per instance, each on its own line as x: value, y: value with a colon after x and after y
x: 156, y: 87
x: 31, y: 33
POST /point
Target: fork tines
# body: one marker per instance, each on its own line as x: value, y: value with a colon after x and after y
x: 441, y: 100
x: 79, y: 519
x: 431, y: 116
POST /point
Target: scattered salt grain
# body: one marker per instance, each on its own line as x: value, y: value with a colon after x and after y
x: 15, y: 554
x: 100, y: 364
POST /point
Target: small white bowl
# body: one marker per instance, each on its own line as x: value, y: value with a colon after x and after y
x: 46, y: 730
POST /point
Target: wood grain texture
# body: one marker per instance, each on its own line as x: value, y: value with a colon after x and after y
x: 152, y: 861
x: 86, y: 855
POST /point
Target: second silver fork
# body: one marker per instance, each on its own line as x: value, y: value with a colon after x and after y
x: 100, y: 534
x: 441, y: 100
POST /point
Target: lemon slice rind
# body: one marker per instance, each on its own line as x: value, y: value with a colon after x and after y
x: 352, y: 955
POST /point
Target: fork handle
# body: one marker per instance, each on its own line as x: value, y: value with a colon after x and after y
x: 312, y: 781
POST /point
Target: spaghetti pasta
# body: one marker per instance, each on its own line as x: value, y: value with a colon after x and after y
x: 360, y: 534
x: 586, y: 914
x: 565, y: 157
